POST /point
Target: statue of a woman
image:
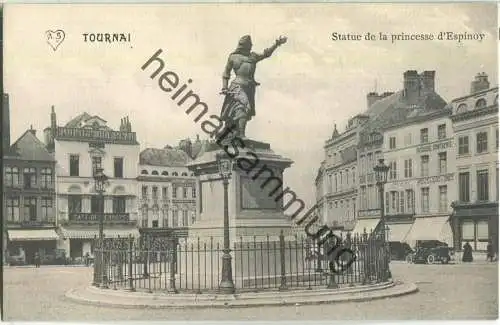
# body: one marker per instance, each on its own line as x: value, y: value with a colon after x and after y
x: 239, y: 104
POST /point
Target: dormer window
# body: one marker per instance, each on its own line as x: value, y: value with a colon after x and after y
x: 481, y: 103
x: 144, y: 172
x: 154, y: 172
x: 165, y: 173
x: 462, y: 108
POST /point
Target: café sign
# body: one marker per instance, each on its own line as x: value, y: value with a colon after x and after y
x: 96, y: 217
x: 435, y: 146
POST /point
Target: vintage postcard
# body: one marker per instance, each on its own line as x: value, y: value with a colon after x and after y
x: 265, y: 162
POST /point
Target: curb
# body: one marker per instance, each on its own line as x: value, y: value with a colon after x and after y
x: 323, y: 296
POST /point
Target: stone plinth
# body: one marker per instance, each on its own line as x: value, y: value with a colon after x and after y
x: 254, y: 204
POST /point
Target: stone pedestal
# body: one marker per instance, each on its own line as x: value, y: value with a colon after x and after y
x: 256, y: 216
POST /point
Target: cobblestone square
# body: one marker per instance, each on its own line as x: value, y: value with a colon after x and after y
x: 447, y: 292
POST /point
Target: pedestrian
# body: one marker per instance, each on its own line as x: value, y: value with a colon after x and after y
x: 37, y: 260
x: 87, y: 259
x: 467, y: 254
x: 490, y: 254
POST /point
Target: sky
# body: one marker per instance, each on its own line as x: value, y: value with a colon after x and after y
x: 308, y: 85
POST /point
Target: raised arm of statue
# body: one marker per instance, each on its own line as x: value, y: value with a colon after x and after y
x: 269, y: 51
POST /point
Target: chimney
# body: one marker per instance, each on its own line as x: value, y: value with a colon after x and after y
x: 372, y: 98
x: 411, y: 86
x: 480, y: 83
x: 33, y: 131
x: 6, y: 122
x: 386, y: 94
x: 428, y: 84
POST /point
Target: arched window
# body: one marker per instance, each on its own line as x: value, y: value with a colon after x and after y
x: 175, y: 174
x: 192, y: 174
x: 165, y: 173
x: 462, y: 108
x: 184, y: 174
x: 144, y: 172
x: 481, y: 102
x: 154, y: 172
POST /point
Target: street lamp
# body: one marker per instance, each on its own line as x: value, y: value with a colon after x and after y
x: 381, y: 170
x: 225, y: 165
x: 100, y: 182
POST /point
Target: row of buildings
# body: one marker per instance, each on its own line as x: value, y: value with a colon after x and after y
x: 443, y: 159
x: 49, y: 197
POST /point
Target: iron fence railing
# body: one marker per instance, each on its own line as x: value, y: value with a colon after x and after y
x: 266, y: 263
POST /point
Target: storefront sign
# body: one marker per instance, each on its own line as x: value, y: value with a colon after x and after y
x: 435, y: 146
x: 96, y: 217
x: 435, y: 179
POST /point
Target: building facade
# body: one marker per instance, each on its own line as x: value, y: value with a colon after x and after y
x: 421, y: 181
x: 167, y: 192
x: 475, y: 125
x: 81, y: 146
x: 29, y: 198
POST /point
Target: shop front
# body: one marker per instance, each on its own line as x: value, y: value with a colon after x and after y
x: 476, y: 224
x: 430, y: 228
x: 365, y: 225
x: 31, y: 241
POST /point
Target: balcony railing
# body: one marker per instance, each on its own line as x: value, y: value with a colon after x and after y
x: 106, y: 136
x: 96, y: 217
x: 33, y: 223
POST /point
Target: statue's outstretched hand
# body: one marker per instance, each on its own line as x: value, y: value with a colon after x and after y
x: 281, y: 40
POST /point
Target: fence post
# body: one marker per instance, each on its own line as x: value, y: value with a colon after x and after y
x: 95, y: 280
x: 282, y: 261
x: 130, y: 264
x: 366, y: 257
x: 173, y: 263
x: 104, y: 266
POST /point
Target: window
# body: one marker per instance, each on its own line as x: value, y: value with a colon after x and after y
x: 165, y: 173
x: 424, y: 135
x: 394, y: 201
x: 462, y: 108
x: 185, y: 192
x: 468, y: 230
x: 119, y: 204
x: 175, y: 218
x: 30, y: 208
x: 424, y: 166
x: 410, y: 201
x: 340, y: 180
x: 164, y: 192
x: 363, y: 198
x: 13, y: 209
x: 96, y: 164
x: 498, y: 194
x: 29, y: 177
x: 408, y: 168
x: 482, y: 142
x: 175, y: 174
x: 46, y: 178
x: 354, y: 208
x: 442, y: 163
x: 144, y: 192
x: 463, y: 145
x: 47, y: 208
x: 96, y: 204
x: 482, y: 185
x: 354, y: 175
x: 74, y: 165
x: 443, y: 198
x: 442, y: 131
x: 464, y: 187
x: 174, y: 192
x: 401, y: 208
x: 425, y: 199
x: 154, y: 190
x: 393, y: 171
x: 155, y: 223
x: 144, y: 172
x: 184, y: 174
x: 481, y: 102
x: 74, y: 203
x: 392, y: 143
x: 154, y: 172
x: 11, y: 176
x: 185, y: 221
x: 496, y: 137
x: 118, y: 167
x: 336, y: 188
x: 193, y: 192
x: 144, y: 212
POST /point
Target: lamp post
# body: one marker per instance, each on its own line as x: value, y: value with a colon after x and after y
x: 381, y: 170
x: 101, y: 181
x: 225, y: 165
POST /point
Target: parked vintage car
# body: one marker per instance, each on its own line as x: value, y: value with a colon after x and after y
x: 430, y: 252
x: 16, y: 257
x: 55, y: 257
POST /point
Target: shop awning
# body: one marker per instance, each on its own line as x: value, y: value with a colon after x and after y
x: 91, y: 233
x: 365, y: 224
x: 399, y: 231
x: 430, y: 228
x: 32, y: 234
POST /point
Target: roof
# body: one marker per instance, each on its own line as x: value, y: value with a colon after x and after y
x: 29, y: 147
x: 199, y: 147
x: 83, y: 117
x: 168, y: 157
